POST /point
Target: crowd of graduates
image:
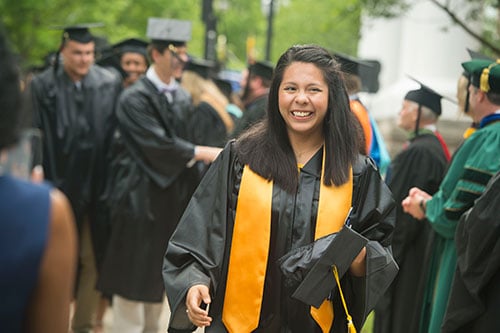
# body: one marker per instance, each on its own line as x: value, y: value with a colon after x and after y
x: 154, y: 149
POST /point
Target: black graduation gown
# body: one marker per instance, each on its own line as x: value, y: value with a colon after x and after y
x: 206, y: 127
x: 196, y: 251
x: 422, y: 164
x: 150, y: 190
x: 253, y: 113
x: 77, y: 133
x: 474, y: 303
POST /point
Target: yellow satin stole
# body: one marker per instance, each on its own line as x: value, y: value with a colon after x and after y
x: 250, y: 247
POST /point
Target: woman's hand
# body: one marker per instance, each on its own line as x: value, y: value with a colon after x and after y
x: 197, y: 295
x: 358, y: 265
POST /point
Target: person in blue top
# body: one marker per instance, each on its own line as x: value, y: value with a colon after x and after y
x: 37, y: 233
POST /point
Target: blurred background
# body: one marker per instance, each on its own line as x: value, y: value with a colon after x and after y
x: 427, y: 39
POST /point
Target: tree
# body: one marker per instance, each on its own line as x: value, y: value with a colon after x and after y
x: 478, y: 11
x: 336, y: 25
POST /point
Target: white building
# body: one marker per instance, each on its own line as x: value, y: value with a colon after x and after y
x: 423, y: 43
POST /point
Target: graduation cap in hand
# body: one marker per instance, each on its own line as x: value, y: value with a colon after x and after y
x: 308, y: 269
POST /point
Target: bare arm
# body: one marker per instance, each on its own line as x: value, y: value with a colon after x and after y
x: 48, y: 310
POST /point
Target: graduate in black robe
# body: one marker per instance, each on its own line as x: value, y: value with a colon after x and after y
x: 210, y: 122
x: 78, y: 126
x: 153, y: 180
x: 474, y: 302
x: 73, y: 106
x: 201, y: 249
x: 255, y: 95
x: 421, y: 163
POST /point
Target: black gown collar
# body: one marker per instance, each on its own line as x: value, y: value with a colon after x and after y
x: 313, y: 166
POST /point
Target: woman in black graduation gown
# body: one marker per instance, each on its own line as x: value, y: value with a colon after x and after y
x: 286, y: 182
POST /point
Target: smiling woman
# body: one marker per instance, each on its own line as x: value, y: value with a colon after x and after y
x: 280, y: 186
x: 303, y: 102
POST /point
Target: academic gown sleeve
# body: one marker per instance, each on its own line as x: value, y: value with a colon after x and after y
x: 471, y: 168
x: 196, y: 250
x: 149, y: 130
x: 373, y: 216
x: 478, y: 267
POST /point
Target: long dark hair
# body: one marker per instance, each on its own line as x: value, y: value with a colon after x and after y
x: 266, y: 147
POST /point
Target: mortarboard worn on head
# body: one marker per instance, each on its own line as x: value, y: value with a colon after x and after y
x: 176, y: 32
x: 133, y: 45
x: 224, y: 86
x: 350, y: 64
x: 79, y: 32
x: 477, y: 55
x: 263, y: 69
x: 484, y: 74
x: 308, y: 269
x: 367, y: 70
x: 202, y: 67
x: 425, y: 96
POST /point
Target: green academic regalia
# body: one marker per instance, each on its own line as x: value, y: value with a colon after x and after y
x: 471, y: 168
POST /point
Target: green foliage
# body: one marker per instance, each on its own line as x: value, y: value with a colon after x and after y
x: 332, y: 24
x: 335, y: 24
x: 385, y: 8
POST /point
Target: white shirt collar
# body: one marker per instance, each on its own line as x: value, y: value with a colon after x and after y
x: 158, y: 83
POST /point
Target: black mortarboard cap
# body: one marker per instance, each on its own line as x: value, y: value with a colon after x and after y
x: 134, y: 45
x: 477, y: 55
x: 263, y: 69
x: 171, y: 31
x: 202, y: 67
x: 308, y: 269
x: 224, y: 86
x: 425, y: 96
x: 367, y: 70
x: 369, y: 76
x: 79, y: 32
x: 350, y: 64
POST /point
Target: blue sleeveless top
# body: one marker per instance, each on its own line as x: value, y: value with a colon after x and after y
x: 24, y: 222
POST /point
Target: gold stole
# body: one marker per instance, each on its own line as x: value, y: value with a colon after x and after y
x: 250, y: 247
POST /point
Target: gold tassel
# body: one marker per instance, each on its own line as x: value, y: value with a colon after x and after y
x: 350, y: 325
x: 484, y: 83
